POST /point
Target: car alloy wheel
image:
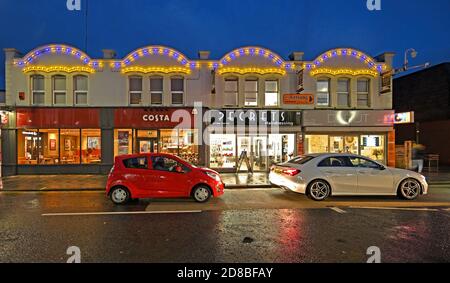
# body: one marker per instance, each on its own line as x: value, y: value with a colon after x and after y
x: 120, y: 195
x: 202, y: 194
x: 319, y: 190
x: 410, y: 189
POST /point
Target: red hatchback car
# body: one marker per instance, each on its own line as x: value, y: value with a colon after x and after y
x: 156, y: 175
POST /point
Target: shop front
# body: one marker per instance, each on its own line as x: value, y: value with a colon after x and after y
x: 369, y: 133
x: 158, y: 130
x: 252, y: 140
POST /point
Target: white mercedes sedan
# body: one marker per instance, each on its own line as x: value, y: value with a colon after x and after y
x: 322, y: 175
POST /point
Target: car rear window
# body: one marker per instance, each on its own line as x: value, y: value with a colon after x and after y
x: 301, y: 159
x: 136, y: 163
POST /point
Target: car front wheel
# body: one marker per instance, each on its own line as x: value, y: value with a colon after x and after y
x: 120, y: 195
x: 201, y: 194
x: 319, y: 190
x: 409, y: 189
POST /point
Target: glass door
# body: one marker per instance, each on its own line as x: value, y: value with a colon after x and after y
x: 148, y: 145
x: 244, y: 148
x: 259, y: 153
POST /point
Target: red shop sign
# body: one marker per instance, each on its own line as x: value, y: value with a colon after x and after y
x: 154, y: 118
x: 54, y: 118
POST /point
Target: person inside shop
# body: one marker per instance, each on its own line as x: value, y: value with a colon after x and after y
x: 418, y: 156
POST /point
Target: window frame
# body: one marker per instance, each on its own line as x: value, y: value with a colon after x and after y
x: 76, y: 92
x: 159, y: 92
x: 228, y: 93
x: 328, y: 81
x: 34, y: 91
x: 277, y: 93
x: 172, y: 92
x: 359, y: 93
x: 130, y: 92
x: 254, y: 92
x: 55, y: 91
x: 347, y: 94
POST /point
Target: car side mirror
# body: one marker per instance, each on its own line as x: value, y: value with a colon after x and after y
x: 381, y: 168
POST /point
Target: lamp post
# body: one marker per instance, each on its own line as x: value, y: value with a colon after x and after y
x: 413, y: 53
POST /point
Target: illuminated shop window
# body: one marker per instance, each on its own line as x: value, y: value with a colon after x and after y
x: 80, y: 84
x: 363, y: 92
x: 281, y: 148
x: 343, y: 92
x: 231, y: 92
x: 38, y: 89
x: 373, y: 146
x: 70, y: 146
x: 156, y: 90
x: 323, y: 92
x: 91, y: 146
x: 251, y: 92
x: 316, y: 144
x: 271, y: 93
x: 123, y: 142
x: 177, y: 90
x: 222, y: 151
x: 188, y: 146
x: 168, y: 142
x: 29, y: 147
x: 59, y: 89
x: 135, y: 85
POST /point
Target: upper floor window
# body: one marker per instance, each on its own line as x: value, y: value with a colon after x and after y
x: 80, y: 86
x: 271, y: 94
x: 177, y: 89
x: 38, y: 89
x: 231, y: 92
x: 135, y: 85
x: 251, y: 92
x: 363, y: 92
x: 323, y: 92
x: 59, y: 89
x: 343, y: 92
x: 156, y: 90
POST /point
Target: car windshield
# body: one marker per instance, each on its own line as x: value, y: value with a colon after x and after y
x: 301, y: 159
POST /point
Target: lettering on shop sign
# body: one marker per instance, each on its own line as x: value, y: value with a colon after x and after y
x: 75, y: 254
x: 73, y: 5
x: 375, y: 254
x: 254, y: 117
x: 156, y: 118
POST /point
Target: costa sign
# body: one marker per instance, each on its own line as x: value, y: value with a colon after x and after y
x: 153, y: 118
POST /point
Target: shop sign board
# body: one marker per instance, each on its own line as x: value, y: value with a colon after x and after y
x: 234, y: 117
x: 298, y: 99
x: 404, y: 118
x: 347, y: 118
x: 153, y: 118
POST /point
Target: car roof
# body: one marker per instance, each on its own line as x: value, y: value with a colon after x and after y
x: 332, y: 154
x: 126, y: 156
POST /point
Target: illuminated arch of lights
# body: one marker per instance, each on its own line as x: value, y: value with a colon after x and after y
x: 33, y: 55
x: 346, y: 52
x: 254, y: 51
x: 154, y: 50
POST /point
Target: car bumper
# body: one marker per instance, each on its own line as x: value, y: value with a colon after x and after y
x: 219, y: 189
x: 424, y: 187
x: 295, y: 184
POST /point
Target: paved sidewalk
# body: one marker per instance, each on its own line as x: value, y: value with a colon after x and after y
x: 98, y: 182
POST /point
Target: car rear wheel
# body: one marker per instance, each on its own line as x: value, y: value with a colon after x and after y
x: 120, y: 195
x: 319, y: 190
x: 409, y: 189
x: 201, y: 194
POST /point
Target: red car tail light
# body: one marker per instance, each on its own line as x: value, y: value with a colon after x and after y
x: 291, y: 171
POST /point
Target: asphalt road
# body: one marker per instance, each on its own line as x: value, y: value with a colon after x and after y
x: 250, y: 226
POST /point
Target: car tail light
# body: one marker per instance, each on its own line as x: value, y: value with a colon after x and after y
x: 291, y: 171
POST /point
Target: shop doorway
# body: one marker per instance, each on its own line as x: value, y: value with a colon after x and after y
x: 148, y: 145
x: 256, y: 150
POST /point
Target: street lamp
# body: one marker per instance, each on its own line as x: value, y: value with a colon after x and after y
x: 413, y: 53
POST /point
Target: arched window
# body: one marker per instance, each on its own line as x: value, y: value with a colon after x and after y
x: 177, y: 90
x: 38, y: 89
x: 323, y: 92
x: 156, y: 90
x: 59, y: 89
x: 251, y: 92
x: 135, y: 90
x: 343, y: 92
x: 363, y: 92
x: 231, y: 92
x: 80, y: 86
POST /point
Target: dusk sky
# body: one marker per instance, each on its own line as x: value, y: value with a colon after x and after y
x: 312, y: 26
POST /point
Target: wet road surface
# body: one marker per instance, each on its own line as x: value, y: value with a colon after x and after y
x: 245, y: 226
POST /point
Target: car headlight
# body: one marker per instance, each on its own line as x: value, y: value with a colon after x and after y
x: 213, y: 175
